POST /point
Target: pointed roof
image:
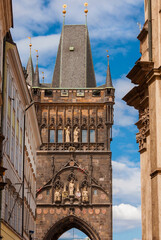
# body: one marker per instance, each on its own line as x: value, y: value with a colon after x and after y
x: 36, y: 76
x: 30, y: 71
x: 74, y: 65
x: 108, y: 77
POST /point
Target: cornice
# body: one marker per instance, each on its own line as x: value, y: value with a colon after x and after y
x: 139, y: 71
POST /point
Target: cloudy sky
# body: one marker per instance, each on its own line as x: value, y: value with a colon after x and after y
x: 112, y: 25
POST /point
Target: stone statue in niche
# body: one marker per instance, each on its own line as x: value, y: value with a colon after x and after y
x: 57, y: 195
x: 78, y: 193
x: 67, y: 134
x: 85, y: 197
x: 76, y: 134
x: 71, y: 188
x: 65, y: 192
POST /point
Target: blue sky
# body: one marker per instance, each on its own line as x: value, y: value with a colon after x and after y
x: 112, y: 25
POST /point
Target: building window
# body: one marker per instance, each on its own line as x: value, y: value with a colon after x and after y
x: 92, y: 135
x: 60, y: 136
x: 84, y: 136
x: 48, y: 192
x: 52, y: 136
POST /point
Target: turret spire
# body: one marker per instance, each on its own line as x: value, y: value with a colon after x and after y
x: 30, y: 68
x: 108, y: 78
x: 36, y: 75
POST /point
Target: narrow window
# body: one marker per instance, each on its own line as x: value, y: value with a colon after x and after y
x: 60, y: 136
x: 84, y: 136
x: 52, y: 136
x: 92, y: 135
x: 47, y: 192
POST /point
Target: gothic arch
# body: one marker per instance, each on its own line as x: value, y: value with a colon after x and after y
x: 66, y: 224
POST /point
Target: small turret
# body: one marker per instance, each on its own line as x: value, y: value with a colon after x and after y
x: 108, y: 78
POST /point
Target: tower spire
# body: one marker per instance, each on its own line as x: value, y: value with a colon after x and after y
x: 30, y: 68
x: 108, y: 77
x: 36, y: 75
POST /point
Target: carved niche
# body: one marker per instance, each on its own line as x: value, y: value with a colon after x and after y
x: 143, y: 125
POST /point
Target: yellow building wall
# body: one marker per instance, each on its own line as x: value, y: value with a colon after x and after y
x: 7, y: 233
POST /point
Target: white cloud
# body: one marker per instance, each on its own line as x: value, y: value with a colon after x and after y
x: 126, y: 181
x: 126, y: 217
x: 123, y: 114
x: 47, y: 46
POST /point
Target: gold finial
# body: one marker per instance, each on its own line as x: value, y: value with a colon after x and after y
x: 30, y: 45
x: 64, y: 12
x: 43, y: 77
x: 86, y: 10
x: 37, y: 55
x: 108, y: 56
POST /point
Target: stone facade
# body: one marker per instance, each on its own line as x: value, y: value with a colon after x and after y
x: 145, y: 97
x: 74, y: 173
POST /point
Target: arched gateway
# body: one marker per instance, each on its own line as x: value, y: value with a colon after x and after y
x: 74, y: 173
x: 66, y: 224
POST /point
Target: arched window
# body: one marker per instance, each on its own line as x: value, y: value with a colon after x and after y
x: 92, y: 134
x: 52, y: 135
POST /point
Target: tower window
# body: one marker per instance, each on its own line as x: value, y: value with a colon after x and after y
x: 48, y: 93
x: 52, y: 136
x: 60, y: 136
x: 84, y: 136
x: 92, y: 135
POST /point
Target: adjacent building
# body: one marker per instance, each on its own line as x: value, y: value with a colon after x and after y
x: 146, y: 98
x: 18, y: 199
x: 6, y: 22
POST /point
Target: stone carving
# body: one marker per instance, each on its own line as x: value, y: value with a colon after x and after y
x: 52, y: 120
x: 78, y: 193
x: 57, y: 195
x: 84, y: 120
x: 58, y: 188
x: 71, y: 188
x: 143, y: 126
x: 76, y: 134
x: 68, y: 120
x: 85, y: 197
x: 67, y: 134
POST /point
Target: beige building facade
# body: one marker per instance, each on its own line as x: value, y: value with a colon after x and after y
x: 18, y: 199
x: 16, y: 97
x: 146, y: 98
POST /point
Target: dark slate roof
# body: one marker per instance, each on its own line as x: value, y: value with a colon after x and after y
x: 108, y: 78
x: 30, y: 71
x: 74, y: 65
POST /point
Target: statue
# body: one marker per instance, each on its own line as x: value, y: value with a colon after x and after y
x: 71, y: 188
x: 76, y: 134
x: 78, y: 193
x: 57, y: 195
x: 85, y: 194
x: 67, y: 134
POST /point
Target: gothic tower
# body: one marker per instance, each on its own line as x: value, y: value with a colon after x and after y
x: 146, y: 98
x: 74, y: 173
